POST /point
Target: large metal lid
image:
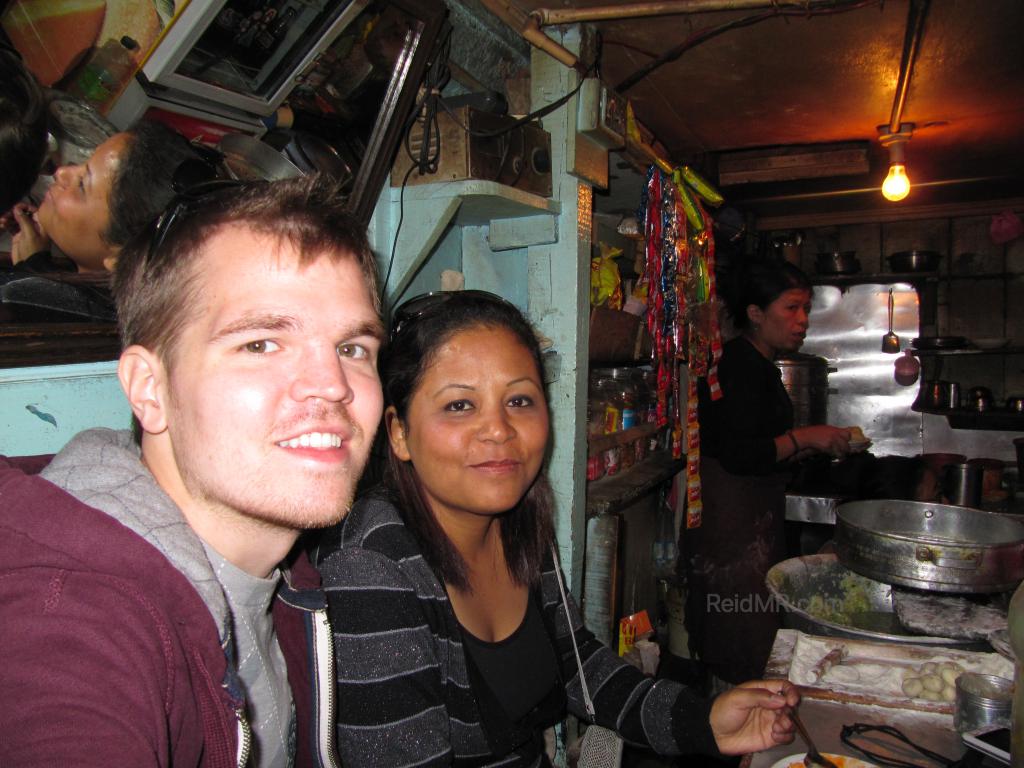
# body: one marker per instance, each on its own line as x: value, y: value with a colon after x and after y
x: 935, y: 547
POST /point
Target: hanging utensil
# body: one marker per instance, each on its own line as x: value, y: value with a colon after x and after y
x: 890, y: 342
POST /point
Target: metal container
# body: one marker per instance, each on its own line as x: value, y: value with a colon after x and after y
x: 936, y: 394
x: 915, y: 261
x: 250, y: 159
x: 935, y: 547
x: 821, y: 596
x: 982, y: 700
x: 837, y: 263
x: 961, y: 483
x: 805, y: 378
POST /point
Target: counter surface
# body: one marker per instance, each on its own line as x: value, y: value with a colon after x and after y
x: 825, y: 718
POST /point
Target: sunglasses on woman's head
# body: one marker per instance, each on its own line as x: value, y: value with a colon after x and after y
x: 417, y: 306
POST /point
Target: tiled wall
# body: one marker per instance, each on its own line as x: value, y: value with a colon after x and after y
x: 978, y: 293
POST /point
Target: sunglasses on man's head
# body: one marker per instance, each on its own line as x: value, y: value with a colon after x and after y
x: 417, y: 306
x: 186, y: 202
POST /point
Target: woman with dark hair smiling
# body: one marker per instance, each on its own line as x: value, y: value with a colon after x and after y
x: 456, y: 642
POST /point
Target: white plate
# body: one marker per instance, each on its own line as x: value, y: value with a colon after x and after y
x: 797, y: 761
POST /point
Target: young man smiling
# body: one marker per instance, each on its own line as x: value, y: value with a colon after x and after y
x: 153, y: 600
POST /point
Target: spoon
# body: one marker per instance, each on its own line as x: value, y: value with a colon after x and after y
x: 890, y: 342
x: 813, y: 756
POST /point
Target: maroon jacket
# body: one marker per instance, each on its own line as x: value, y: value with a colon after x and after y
x: 109, y: 654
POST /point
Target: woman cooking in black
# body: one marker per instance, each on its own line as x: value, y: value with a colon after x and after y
x: 747, y: 440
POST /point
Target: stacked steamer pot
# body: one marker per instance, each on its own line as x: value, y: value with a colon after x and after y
x: 937, y: 554
x: 805, y: 378
x: 899, y: 561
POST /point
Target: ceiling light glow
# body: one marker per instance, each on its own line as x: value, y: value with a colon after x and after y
x: 896, y: 185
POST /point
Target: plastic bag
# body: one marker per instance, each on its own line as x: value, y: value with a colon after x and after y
x: 605, y: 281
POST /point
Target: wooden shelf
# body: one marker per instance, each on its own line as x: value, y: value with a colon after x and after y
x: 859, y: 278
x: 994, y: 419
x: 481, y: 201
x: 610, y: 494
x: 1007, y: 350
x: 33, y: 344
x: 598, y: 443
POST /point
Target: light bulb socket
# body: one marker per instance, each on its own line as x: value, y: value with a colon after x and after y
x: 886, y: 136
x: 897, y: 153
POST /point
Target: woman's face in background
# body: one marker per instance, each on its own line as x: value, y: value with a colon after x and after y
x: 477, y: 425
x: 76, y: 210
x: 782, y: 325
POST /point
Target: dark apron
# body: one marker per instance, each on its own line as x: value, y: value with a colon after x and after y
x: 730, y: 616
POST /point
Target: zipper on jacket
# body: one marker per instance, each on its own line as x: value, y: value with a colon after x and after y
x: 323, y: 672
x: 244, y: 738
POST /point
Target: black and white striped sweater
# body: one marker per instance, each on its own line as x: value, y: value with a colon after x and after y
x: 404, y: 691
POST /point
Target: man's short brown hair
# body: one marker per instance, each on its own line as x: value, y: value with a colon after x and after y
x: 157, y: 289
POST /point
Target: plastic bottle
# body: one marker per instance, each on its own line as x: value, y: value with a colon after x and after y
x: 1016, y: 626
x: 107, y: 72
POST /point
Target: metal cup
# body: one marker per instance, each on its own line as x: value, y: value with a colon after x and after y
x: 961, y: 483
x: 953, y: 396
x: 981, y: 700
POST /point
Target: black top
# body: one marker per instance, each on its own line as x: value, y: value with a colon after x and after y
x: 740, y: 428
x: 43, y: 261
x: 409, y: 694
x: 520, y: 669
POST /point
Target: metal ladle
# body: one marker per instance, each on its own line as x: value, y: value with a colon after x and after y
x: 890, y: 342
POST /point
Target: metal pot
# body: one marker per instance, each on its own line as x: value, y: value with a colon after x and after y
x: 935, y: 547
x: 819, y: 595
x: 914, y: 261
x: 979, y: 398
x: 312, y: 154
x: 837, y: 263
x: 250, y: 159
x: 805, y: 378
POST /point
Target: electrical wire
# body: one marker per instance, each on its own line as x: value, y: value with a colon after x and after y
x: 394, y: 243
x: 543, y: 111
x: 703, y: 35
x: 435, y: 78
x: 425, y: 111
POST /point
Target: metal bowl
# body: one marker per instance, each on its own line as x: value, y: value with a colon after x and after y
x: 915, y: 261
x: 837, y: 263
x: 250, y: 159
x: 820, y: 596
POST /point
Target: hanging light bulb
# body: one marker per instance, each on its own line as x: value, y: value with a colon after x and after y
x: 897, y: 184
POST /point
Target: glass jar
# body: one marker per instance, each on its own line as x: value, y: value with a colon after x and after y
x: 606, y: 395
x: 602, y: 414
x: 623, y: 395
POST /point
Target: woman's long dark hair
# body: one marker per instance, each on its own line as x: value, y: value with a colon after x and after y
x: 526, y: 530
